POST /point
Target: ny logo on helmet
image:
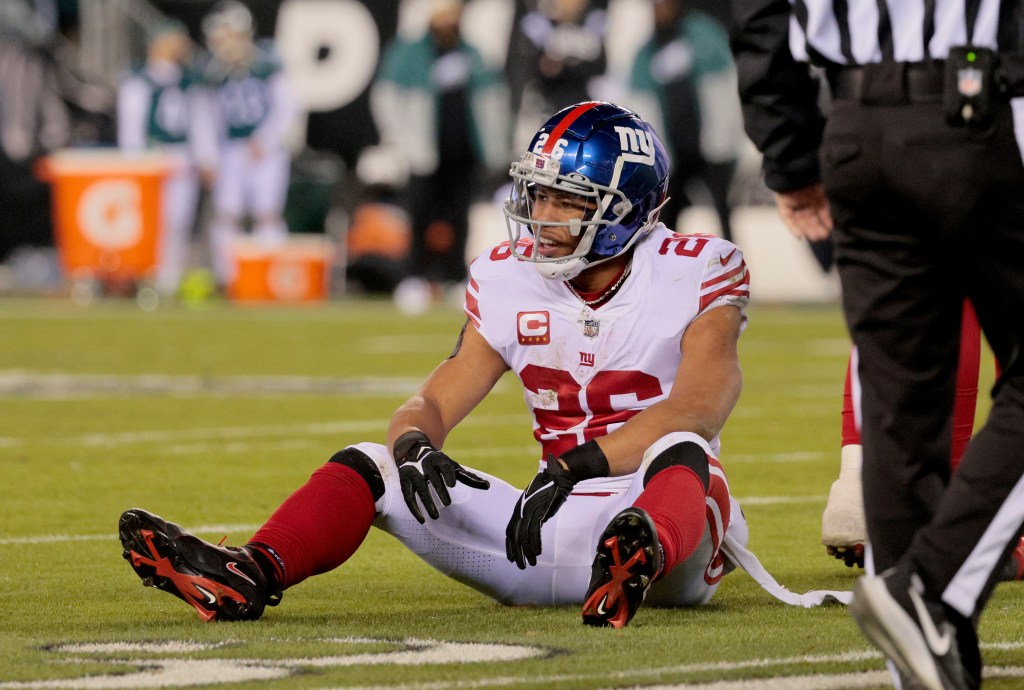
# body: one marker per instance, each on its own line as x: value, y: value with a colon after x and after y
x: 637, y: 145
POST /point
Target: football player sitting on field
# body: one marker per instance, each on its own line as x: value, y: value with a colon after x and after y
x: 624, y: 337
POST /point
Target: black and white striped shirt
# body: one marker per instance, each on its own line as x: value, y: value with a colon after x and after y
x: 772, y: 40
x: 857, y: 32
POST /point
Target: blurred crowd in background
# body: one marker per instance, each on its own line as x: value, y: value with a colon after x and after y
x: 379, y: 125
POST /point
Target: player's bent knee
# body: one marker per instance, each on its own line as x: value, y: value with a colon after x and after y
x: 680, y: 450
x: 364, y: 467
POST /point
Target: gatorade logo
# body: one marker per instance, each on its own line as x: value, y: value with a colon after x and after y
x: 289, y: 280
x: 110, y: 214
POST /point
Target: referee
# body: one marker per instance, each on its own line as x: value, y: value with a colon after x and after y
x: 919, y: 169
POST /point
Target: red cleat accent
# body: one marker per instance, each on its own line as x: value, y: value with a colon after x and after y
x: 221, y: 583
x: 609, y: 601
x: 627, y: 562
x: 200, y: 592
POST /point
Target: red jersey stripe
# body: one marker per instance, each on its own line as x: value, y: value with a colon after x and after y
x: 737, y: 290
x: 725, y: 276
x: 472, y: 302
x: 473, y: 309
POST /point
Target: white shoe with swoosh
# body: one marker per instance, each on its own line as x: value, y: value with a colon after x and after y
x: 917, y: 637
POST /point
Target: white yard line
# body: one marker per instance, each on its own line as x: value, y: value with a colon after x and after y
x: 795, y: 456
x: 220, y: 530
x: 132, y: 315
x: 778, y: 500
x: 241, y: 433
x: 416, y: 344
x: 704, y: 667
x: 831, y: 681
x: 65, y: 386
x: 164, y: 672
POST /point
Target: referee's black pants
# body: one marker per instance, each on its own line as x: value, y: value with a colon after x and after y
x: 925, y: 215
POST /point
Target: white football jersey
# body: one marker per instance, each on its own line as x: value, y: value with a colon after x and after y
x: 586, y: 371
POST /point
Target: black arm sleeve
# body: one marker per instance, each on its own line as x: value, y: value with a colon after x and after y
x: 779, y: 95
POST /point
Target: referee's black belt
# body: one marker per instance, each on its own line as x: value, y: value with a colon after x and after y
x: 889, y: 82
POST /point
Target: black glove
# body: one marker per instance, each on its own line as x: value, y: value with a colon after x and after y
x: 542, y: 499
x: 421, y: 466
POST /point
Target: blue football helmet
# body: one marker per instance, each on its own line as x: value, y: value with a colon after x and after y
x: 599, y: 151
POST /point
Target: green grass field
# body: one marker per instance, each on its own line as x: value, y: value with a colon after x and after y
x: 211, y: 416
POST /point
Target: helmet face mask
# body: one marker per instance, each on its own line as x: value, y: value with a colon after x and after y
x: 610, y: 158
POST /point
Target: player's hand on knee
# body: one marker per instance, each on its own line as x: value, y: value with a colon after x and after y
x: 542, y: 499
x: 421, y: 467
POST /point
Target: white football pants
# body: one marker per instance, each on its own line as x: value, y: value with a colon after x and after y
x: 247, y: 187
x: 467, y: 541
x: 179, y: 203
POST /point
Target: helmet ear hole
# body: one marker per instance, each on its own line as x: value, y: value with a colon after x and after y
x: 622, y: 208
x: 632, y: 217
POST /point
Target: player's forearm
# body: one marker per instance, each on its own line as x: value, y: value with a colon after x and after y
x: 702, y: 412
x: 417, y: 414
x: 435, y: 410
x: 625, y: 447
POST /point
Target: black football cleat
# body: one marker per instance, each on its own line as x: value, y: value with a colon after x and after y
x: 852, y: 556
x: 220, y: 582
x: 627, y: 562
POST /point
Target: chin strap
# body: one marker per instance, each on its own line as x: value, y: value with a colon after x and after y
x: 562, y: 271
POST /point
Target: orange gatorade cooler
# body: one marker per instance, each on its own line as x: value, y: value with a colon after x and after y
x: 106, y: 206
x: 297, y: 271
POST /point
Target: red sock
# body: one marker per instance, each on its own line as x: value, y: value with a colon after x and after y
x: 319, y: 526
x: 966, y: 399
x: 851, y: 434
x: 674, y: 498
x: 966, y: 385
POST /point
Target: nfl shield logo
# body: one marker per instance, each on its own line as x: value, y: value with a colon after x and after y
x: 591, y: 327
x: 968, y: 81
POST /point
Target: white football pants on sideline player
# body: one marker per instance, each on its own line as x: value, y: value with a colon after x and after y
x: 247, y: 187
x: 180, y: 197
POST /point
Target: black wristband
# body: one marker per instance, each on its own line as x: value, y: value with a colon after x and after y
x: 585, y: 461
x: 406, y: 442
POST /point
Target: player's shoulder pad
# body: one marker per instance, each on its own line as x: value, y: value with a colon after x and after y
x: 725, y: 278
x: 495, y: 263
x: 492, y: 274
x: 722, y: 253
x: 668, y: 243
